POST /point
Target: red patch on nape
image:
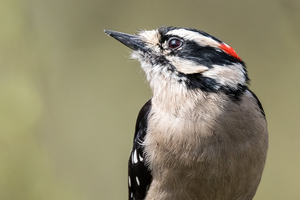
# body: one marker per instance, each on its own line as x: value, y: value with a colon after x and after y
x: 227, y: 49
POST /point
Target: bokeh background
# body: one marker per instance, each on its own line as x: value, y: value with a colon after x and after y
x: 69, y: 94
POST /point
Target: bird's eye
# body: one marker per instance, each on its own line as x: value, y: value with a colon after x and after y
x: 174, y: 43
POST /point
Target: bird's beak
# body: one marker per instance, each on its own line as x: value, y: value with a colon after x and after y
x: 132, y: 41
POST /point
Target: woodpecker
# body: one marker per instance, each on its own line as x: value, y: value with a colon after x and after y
x: 203, y: 135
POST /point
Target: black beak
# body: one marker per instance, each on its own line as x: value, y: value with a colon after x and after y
x: 132, y: 41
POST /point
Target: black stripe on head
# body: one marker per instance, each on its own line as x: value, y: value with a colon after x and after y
x: 163, y: 62
x: 164, y: 30
x: 198, y: 81
x: 234, y: 94
x: 204, y: 55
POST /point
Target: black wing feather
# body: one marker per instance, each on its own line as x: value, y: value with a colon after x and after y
x: 139, y: 174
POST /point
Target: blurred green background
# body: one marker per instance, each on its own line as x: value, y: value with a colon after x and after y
x: 69, y: 94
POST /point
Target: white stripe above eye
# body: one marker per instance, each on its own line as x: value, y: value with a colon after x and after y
x: 195, y: 36
x: 185, y: 66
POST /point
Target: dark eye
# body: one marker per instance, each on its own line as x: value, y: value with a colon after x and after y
x: 174, y: 43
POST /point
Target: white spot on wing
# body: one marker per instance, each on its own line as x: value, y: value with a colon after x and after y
x: 137, y: 181
x: 131, y: 195
x: 129, y: 181
x: 132, y: 157
x: 141, y: 158
x: 135, y: 159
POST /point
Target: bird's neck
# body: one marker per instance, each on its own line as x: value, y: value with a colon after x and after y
x: 174, y: 98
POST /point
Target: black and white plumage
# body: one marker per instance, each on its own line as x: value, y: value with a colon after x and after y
x: 203, y: 135
x: 139, y: 175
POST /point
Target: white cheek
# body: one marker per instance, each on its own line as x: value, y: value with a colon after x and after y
x: 230, y: 75
x: 185, y: 66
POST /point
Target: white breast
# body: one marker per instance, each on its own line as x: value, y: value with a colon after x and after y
x: 208, y: 147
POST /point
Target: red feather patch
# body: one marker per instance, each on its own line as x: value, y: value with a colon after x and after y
x: 227, y: 49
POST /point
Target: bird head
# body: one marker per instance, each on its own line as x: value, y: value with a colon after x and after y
x: 188, y: 58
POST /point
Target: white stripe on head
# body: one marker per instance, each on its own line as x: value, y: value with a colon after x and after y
x: 195, y: 36
x: 230, y: 75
